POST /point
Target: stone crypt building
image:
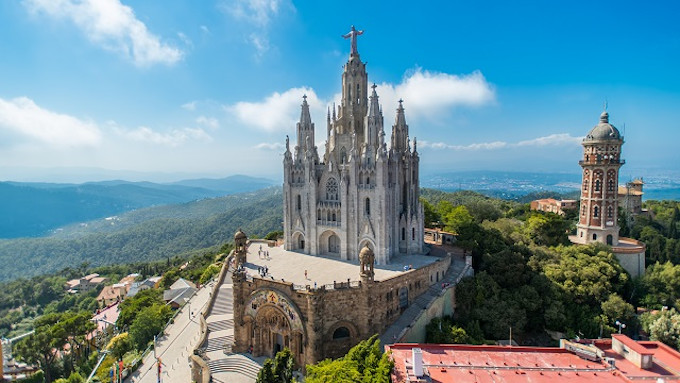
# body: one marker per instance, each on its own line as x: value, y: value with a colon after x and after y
x: 598, y: 217
x: 358, y: 191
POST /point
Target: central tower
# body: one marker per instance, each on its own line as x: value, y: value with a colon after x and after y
x: 358, y: 193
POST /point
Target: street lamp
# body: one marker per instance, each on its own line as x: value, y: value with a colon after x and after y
x: 621, y: 325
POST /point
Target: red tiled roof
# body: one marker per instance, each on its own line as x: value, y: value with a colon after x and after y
x: 633, y: 345
x: 464, y: 363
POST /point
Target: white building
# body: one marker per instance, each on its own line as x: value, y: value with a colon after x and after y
x: 359, y: 192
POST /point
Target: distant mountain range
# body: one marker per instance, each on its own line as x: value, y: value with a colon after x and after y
x: 36, y: 209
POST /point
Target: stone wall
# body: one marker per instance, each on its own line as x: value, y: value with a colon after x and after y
x: 355, y: 309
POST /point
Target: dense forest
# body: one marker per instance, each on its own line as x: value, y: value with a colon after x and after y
x: 529, y: 277
x: 145, y: 235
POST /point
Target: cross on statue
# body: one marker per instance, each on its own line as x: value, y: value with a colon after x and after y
x: 352, y: 35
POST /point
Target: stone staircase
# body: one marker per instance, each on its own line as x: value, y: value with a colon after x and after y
x: 234, y: 364
x: 452, y: 275
x: 224, y: 302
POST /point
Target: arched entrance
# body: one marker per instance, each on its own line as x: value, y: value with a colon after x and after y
x: 329, y: 243
x: 610, y: 240
x: 273, y: 323
x: 298, y: 241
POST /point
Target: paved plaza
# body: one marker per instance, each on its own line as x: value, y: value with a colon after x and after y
x: 290, y: 266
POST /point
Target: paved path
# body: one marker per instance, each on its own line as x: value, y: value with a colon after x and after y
x: 176, y: 346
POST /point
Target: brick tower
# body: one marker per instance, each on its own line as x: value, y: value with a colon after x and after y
x: 599, y: 189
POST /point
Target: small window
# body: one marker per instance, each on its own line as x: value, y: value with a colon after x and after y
x: 597, y: 185
x: 594, y: 237
x: 413, y: 234
x: 299, y: 202
x: 596, y: 212
x: 610, y: 212
x: 403, y: 233
x: 341, y: 333
x: 368, y: 206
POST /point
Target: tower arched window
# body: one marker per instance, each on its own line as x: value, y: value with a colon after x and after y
x: 596, y: 212
x: 597, y: 185
x: 299, y: 202
x: 403, y: 233
x: 343, y: 155
x: 610, y: 185
x: 367, y: 206
x: 610, y: 212
x: 332, y: 189
x: 328, y: 216
x: 585, y: 185
x: 413, y: 234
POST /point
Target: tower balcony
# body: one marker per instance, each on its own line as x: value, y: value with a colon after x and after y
x: 602, y: 162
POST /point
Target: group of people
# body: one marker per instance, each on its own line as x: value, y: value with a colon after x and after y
x: 263, y: 270
x: 261, y: 253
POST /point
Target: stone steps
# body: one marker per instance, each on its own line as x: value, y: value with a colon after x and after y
x: 236, y: 364
x: 226, y: 324
x: 218, y: 343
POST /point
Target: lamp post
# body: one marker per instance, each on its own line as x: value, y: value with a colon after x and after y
x: 621, y: 325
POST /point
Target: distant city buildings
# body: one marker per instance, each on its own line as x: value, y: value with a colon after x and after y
x: 85, y: 283
x: 619, y: 359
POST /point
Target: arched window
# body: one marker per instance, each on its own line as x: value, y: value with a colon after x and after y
x: 596, y: 212
x: 328, y: 216
x: 368, y: 180
x: 367, y: 208
x: 403, y: 233
x: 594, y: 237
x: 610, y: 185
x: 610, y: 240
x: 610, y: 212
x: 343, y: 155
x: 358, y: 94
x: 597, y: 185
x: 341, y: 333
x: 299, y: 202
x: 333, y: 217
x: 332, y: 189
x: 413, y: 233
x: 585, y: 185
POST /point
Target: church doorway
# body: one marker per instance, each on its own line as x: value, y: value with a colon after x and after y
x: 329, y: 243
x: 278, y: 343
x: 298, y: 241
x: 610, y: 240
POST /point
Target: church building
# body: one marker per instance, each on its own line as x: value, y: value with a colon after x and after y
x: 358, y: 191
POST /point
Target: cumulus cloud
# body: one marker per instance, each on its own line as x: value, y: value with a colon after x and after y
x: 427, y: 93
x: 269, y: 146
x: 190, y: 106
x: 112, y: 25
x: 172, y: 138
x: 559, y: 139
x: 277, y: 112
x: 23, y: 117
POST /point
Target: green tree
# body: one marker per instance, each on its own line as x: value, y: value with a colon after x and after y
x: 41, y: 347
x: 456, y: 218
x: 149, y: 322
x: 615, y: 308
x: 666, y: 328
x: 547, y: 229
x: 266, y: 373
x: 119, y: 345
x: 364, y: 363
x: 131, y: 307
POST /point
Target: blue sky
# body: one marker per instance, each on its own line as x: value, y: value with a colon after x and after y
x: 162, y: 89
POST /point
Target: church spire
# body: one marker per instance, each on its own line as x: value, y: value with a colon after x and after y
x: 400, y: 130
x: 305, y: 128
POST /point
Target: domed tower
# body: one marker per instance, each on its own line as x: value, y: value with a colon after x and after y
x: 240, y: 249
x: 599, y: 189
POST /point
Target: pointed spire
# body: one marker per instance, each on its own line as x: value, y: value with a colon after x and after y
x: 374, y: 109
x: 334, y: 111
x: 401, y: 118
x: 415, y: 145
x: 305, y: 117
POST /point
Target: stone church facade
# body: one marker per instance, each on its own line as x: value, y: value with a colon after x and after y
x: 358, y: 192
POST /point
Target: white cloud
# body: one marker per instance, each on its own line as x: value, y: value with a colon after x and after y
x: 257, y: 12
x: 185, y: 39
x: 269, y: 146
x: 279, y: 111
x: 173, y: 138
x: 210, y: 122
x: 190, y: 106
x: 257, y: 15
x: 112, y: 25
x: 205, y: 29
x: 21, y: 115
x: 427, y: 93
x: 558, y: 139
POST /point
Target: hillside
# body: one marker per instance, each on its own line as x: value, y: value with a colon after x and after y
x: 35, y: 209
x: 143, y: 235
